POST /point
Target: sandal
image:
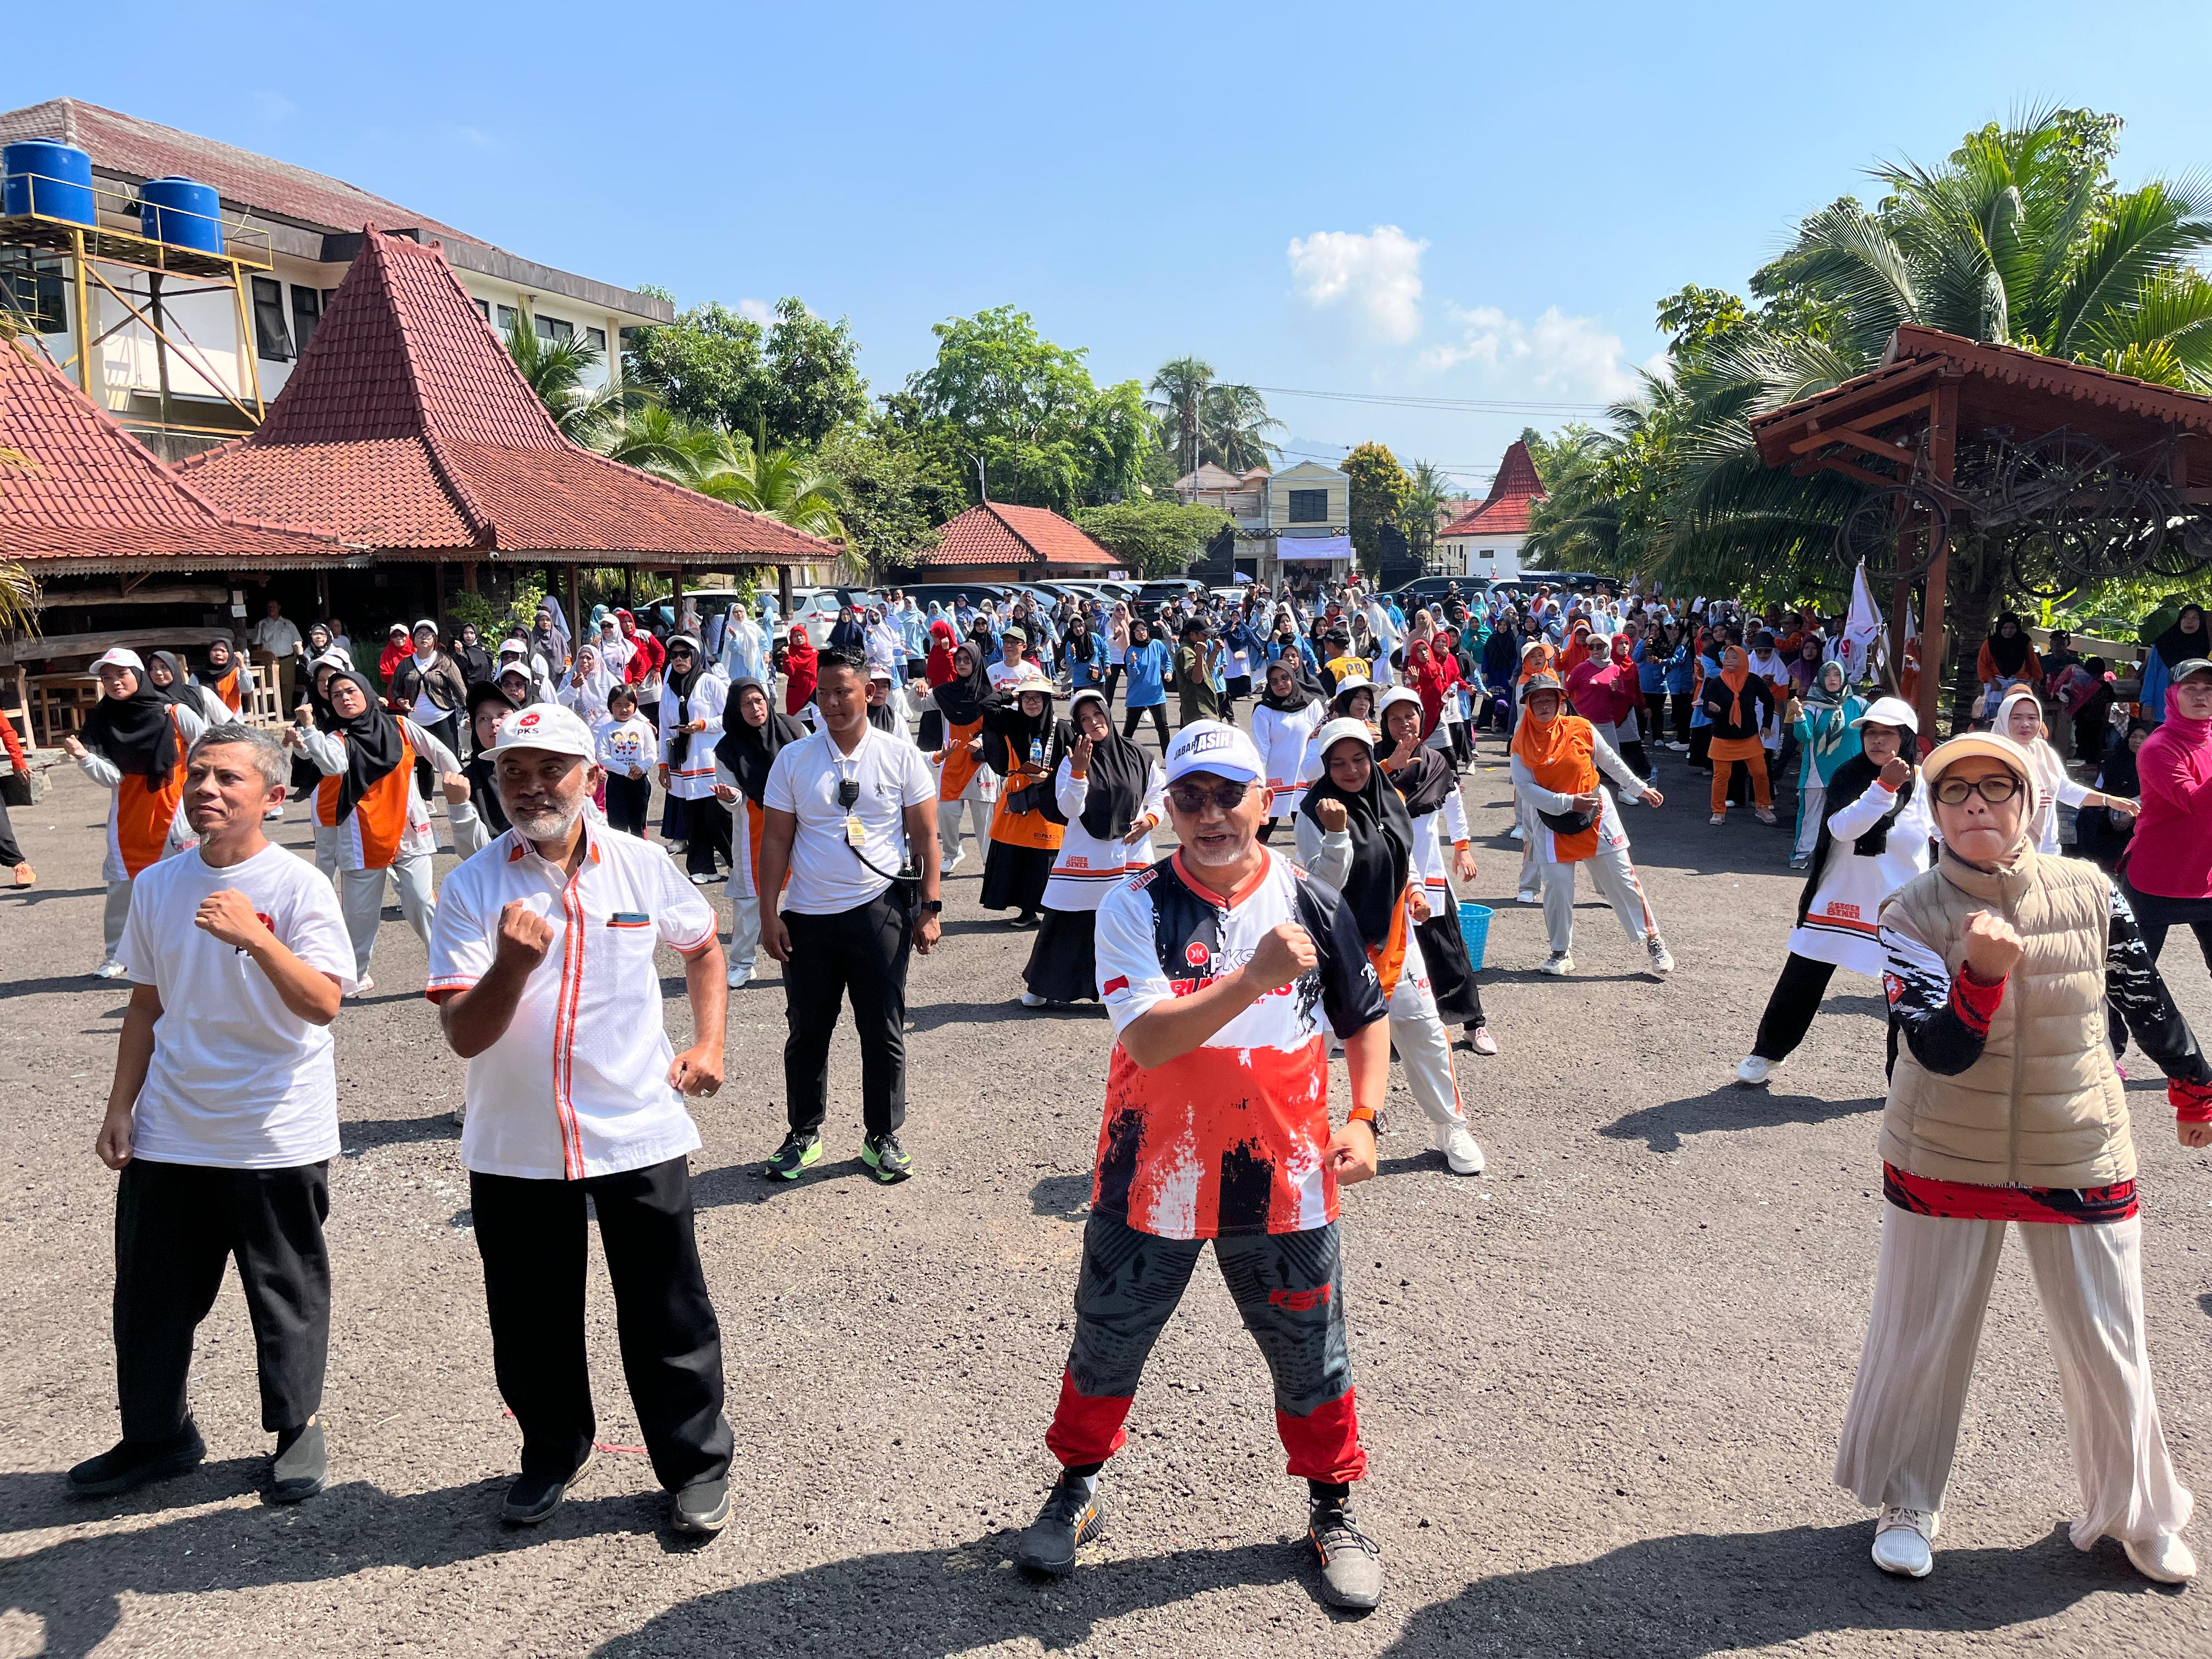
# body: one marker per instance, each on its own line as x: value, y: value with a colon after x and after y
x: 25, y: 875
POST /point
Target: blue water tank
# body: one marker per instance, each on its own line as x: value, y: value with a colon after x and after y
x: 182, y: 212
x: 47, y: 177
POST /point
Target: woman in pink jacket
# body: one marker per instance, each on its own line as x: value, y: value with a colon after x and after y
x: 2167, y: 877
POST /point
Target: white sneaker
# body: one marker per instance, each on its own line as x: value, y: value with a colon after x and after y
x: 1680, y: 748
x: 1755, y: 1070
x: 1560, y: 965
x: 1528, y: 898
x: 1459, y: 1148
x: 1662, y: 959
x: 363, y: 987
x: 1031, y: 999
x: 704, y: 881
x: 740, y: 976
x: 2163, y: 1557
x: 953, y: 863
x: 274, y: 813
x: 110, y: 968
x: 1518, y: 833
x: 1901, y: 1538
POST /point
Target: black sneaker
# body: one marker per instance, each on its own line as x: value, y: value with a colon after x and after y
x: 1350, y: 1561
x: 702, y: 1508
x: 883, y: 1154
x: 1071, y: 1518
x: 125, y: 1465
x: 533, y: 1497
x: 302, y: 1467
x: 799, y: 1149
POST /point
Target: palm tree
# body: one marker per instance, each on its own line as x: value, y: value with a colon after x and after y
x: 779, y: 483
x: 555, y: 369
x: 1423, y: 503
x: 1181, y: 387
x: 1233, y: 424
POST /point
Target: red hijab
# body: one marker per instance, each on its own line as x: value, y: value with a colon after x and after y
x: 939, y: 670
x: 801, y: 670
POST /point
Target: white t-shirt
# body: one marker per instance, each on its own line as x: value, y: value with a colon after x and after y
x: 626, y: 743
x: 238, y: 1080
x: 827, y: 877
x: 578, y: 1085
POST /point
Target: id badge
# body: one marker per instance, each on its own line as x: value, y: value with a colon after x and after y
x: 856, y: 833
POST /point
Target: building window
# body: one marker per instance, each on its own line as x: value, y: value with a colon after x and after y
x: 483, y: 308
x: 596, y: 340
x: 271, y: 339
x: 1487, y: 553
x: 307, y: 312
x: 1308, y: 507
x: 35, y: 297
x: 507, y: 320
x: 552, y: 328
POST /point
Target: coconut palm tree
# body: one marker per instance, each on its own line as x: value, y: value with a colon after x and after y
x: 1233, y: 424
x: 1179, y: 402
x: 1424, y: 501
x: 556, y: 370
x: 779, y: 483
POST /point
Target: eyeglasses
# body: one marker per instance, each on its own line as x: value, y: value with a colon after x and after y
x: 1995, y: 789
x: 1195, y: 797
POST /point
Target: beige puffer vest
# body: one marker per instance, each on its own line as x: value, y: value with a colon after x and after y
x: 2043, y: 1106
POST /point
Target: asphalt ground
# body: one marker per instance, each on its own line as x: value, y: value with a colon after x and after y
x: 1600, y: 1384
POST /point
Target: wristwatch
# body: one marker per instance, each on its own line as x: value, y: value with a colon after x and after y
x: 933, y: 907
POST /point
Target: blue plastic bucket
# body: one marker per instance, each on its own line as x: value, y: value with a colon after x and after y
x: 1474, y: 928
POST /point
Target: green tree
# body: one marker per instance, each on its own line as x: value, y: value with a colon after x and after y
x: 556, y: 371
x: 1046, y: 434
x: 797, y: 378
x: 1233, y: 424
x: 1427, y: 491
x: 1179, y: 388
x: 1379, y: 492
x: 814, y: 383
x: 1153, y: 538
x: 895, y: 494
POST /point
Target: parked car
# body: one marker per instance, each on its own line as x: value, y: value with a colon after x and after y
x: 946, y: 594
x: 1427, y: 590
x: 1153, y: 595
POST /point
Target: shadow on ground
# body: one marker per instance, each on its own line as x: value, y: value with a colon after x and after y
x: 1727, y: 1108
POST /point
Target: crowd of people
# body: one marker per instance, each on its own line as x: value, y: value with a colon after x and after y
x: 828, y: 789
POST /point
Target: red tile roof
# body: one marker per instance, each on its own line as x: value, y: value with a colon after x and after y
x: 999, y: 533
x: 93, y: 496
x: 1504, y: 511
x: 405, y: 424
x: 144, y: 149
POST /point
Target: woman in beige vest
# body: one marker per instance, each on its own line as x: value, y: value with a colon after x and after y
x: 2005, y: 1106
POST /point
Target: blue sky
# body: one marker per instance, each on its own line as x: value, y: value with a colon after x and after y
x: 1449, y: 202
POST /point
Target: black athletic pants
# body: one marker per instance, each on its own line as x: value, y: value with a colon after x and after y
x: 707, y: 832
x: 1158, y: 711
x: 11, y: 852
x: 1789, y: 1009
x: 628, y: 799
x: 2157, y: 915
x: 176, y: 1226
x: 859, y: 954
x: 1684, y: 709
x: 531, y: 1236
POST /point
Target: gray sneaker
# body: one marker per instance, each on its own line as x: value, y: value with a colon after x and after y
x: 1071, y: 1518
x: 1350, y: 1561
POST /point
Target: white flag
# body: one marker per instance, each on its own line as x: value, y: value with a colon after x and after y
x: 1861, y: 628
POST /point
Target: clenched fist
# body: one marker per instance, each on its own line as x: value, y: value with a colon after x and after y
x: 229, y: 916
x: 1992, y: 947
x: 1331, y: 815
x: 523, y: 936
x: 1286, y: 950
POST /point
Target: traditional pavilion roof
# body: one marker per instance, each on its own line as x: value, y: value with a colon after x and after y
x: 405, y: 424
x: 93, y: 496
x: 1513, y: 493
x: 999, y: 533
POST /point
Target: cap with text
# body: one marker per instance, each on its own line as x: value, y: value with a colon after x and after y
x: 1211, y: 746
x: 549, y: 726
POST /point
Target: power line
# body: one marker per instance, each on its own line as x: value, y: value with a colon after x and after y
x: 1473, y: 405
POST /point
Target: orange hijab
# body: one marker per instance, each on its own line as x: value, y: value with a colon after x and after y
x: 1562, y: 754
x: 1735, y: 669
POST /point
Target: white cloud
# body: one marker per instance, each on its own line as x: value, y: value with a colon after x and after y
x: 1556, y: 353
x: 1378, y: 275
x: 759, y: 310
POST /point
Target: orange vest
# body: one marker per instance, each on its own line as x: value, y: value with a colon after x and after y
x: 380, y: 818
x: 960, y: 766
x: 227, y: 688
x: 1568, y: 768
x: 1024, y: 829
x: 144, y: 812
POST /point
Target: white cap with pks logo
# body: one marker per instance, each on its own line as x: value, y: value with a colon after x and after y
x: 1211, y: 746
x: 549, y: 726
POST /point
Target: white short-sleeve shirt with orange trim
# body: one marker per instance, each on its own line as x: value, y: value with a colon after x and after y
x: 578, y: 1085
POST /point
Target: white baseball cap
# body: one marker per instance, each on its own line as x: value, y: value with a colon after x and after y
x: 546, y: 725
x: 1890, y: 711
x: 1394, y: 695
x: 518, y: 647
x: 1336, y: 731
x: 1212, y: 746
x: 118, y: 657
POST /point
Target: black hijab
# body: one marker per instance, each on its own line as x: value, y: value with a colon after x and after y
x: 1853, y: 779
x: 136, y: 734
x: 483, y: 782
x: 679, y: 687
x: 2175, y: 647
x: 2009, y: 653
x: 746, y: 751
x: 1382, y: 832
x: 1426, y: 780
x: 962, y: 697
x: 2120, y: 776
x: 1115, y: 792
x: 180, y: 688
x: 212, y: 676
x: 374, y: 746
x: 1298, y: 696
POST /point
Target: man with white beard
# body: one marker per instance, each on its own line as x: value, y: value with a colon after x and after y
x: 541, y: 963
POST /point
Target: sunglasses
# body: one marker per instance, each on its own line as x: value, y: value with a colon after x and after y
x: 1996, y: 790
x: 1193, y: 798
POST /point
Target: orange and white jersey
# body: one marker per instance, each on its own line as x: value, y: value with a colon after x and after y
x: 145, y: 821
x: 1086, y: 869
x: 391, y: 821
x: 1282, y: 740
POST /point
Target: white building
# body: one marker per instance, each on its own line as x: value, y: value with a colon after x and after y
x: 1300, y: 516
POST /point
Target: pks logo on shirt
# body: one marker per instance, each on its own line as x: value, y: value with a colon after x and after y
x: 1195, y: 953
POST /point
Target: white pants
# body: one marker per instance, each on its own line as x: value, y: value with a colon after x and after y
x: 112, y: 916
x: 326, y: 850
x: 360, y: 896
x: 1417, y: 1032
x: 948, y: 823
x: 1617, y: 884
x: 744, y: 933
x: 1532, y: 828
x: 1930, y: 1294
x: 1813, y: 798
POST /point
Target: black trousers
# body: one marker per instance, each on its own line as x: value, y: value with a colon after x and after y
x: 1701, y: 742
x: 1158, y: 711
x: 858, y: 954
x: 1684, y: 709
x: 2157, y: 915
x: 707, y: 832
x: 531, y: 1234
x: 11, y: 851
x: 1113, y: 679
x: 629, y: 800
x: 448, y: 731
x: 176, y: 1225
x: 1655, y: 715
x: 1789, y: 1009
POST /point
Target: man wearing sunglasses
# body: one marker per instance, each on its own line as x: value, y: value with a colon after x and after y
x: 1225, y: 970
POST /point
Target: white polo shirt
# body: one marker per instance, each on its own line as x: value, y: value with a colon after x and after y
x: 577, y: 1084
x: 238, y: 1081
x: 826, y: 878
